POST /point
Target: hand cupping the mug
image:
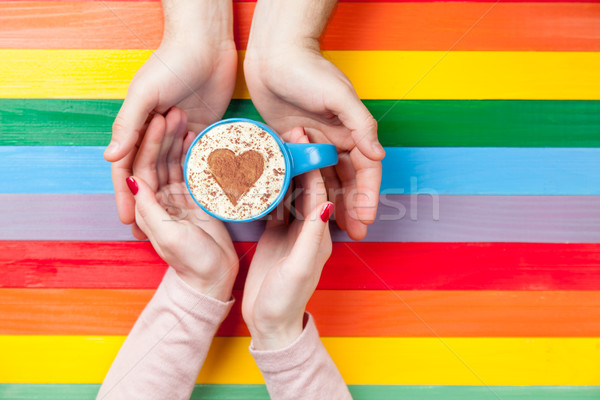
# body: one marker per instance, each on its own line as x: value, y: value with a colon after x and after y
x: 287, y: 265
x: 196, y: 245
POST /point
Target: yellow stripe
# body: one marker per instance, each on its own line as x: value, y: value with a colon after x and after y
x: 375, y: 74
x: 377, y: 361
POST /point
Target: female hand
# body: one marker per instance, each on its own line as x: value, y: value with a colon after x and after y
x: 196, y: 245
x: 194, y: 69
x: 287, y: 266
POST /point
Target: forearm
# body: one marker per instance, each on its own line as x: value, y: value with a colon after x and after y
x: 279, y: 22
x: 198, y: 21
x: 302, y: 367
x: 167, y: 346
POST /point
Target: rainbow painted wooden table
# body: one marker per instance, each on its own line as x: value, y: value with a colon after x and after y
x: 480, y: 278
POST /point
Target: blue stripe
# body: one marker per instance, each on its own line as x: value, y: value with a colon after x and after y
x: 500, y: 171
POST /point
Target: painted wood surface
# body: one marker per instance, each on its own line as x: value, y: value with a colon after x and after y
x: 456, y: 75
x: 550, y: 219
x: 359, y: 392
x: 353, y: 26
x: 344, y: 313
x: 354, y: 265
x: 390, y: 1
x: 410, y: 170
x: 365, y: 361
x: 416, y: 123
x: 487, y: 290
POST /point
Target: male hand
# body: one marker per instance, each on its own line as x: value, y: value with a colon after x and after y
x: 194, y: 69
x: 291, y: 85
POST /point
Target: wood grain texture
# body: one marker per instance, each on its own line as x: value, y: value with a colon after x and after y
x: 549, y: 219
x: 406, y: 170
x: 417, y: 123
x: 365, y: 361
x: 353, y: 26
x: 385, y: 1
x: 380, y: 75
x: 58, y: 391
x: 354, y: 265
x: 343, y: 313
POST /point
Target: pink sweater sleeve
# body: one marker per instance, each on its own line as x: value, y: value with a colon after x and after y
x: 303, y: 370
x: 163, y: 354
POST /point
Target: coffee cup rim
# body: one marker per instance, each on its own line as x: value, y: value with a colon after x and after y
x: 282, y: 148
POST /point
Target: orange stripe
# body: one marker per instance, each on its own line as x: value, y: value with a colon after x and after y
x: 354, y: 26
x: 338, y: 313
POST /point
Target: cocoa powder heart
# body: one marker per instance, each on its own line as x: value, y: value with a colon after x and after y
x: 235, y: 174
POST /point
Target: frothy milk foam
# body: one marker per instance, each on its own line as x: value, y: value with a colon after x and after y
x: 238, y: 137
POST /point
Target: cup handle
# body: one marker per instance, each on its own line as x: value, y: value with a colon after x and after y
x: 306, y: 157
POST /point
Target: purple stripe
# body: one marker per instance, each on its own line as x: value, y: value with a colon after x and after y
x: 552, y: 219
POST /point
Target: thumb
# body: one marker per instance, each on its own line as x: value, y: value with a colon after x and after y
x: 128, y: 125
x: 312, y: 234
x: 150, y: 216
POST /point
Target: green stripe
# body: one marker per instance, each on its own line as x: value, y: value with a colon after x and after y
x: 419, y: 123
x: 256, y: 392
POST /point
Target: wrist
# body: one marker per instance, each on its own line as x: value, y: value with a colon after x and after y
x: 278, y: 24
x: 219, y: 288
x: 275, y: 339
x: 197, y: 22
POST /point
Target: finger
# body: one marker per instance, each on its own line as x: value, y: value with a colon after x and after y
x: 313, y: 233
x: 137, y: 232
x: 348, y: 218
x: 172, y: 125
x: 146, y: 161
x: 187, y: 142
x: 129, y: 123
x: 335, y: 194
x: 368, y: 182
x: 296, y: 135
x: 359, y: 199
x: 150, y: 216
x: 176, y: 120
x: 313, y: 191
x: 120, y: 170
x: 363, y: 127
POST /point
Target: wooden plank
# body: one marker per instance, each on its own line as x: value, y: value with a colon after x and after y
x: 353, y: 26
x: 456, y: 75
x: 416, y: 123
x: 365, y: 361
x: 395, y: 266
x: 388, y: 1
x: 406, y: 170
x: 58, y: 391
x: 400, y: 218
x: 344, y: 313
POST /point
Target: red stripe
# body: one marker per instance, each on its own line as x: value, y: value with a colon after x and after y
x: 399, y: 266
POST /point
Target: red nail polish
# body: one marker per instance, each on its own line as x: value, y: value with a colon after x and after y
x: 327, y: 212
x: 132, y: 185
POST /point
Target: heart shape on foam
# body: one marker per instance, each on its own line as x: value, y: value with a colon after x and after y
x: 235, y: 174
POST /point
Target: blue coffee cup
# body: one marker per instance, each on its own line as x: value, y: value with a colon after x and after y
x: 299, y: 158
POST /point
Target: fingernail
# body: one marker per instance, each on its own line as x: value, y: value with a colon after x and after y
x: 378, y: 148
x: 132, y: 185
x: 327, y: 212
